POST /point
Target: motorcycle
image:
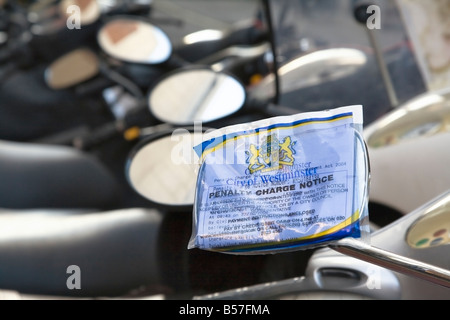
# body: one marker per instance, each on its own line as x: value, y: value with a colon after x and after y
x: 131, y: 115
x: 123, y: 70
x: 183, y: 273
x: 152, y: 158
x: 411, y: 265
x: 112, y: 222
x: 344, y: 271
x: 328, y: 274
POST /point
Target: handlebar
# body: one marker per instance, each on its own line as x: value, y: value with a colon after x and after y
x: 112, y: 129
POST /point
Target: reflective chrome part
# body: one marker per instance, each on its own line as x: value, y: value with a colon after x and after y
x: 203, y: 35
x: 163, y: 170
x: 268, y: 290
x: 198, y: 94
x: 134, y: 40
x: 432, y: 229
x: 389, y: 268
x: 106, y: 5
x: 428, y: 276
x: 423, y: 116
x: 120, y: 101
x: 72, y: 69
x: 313, y: 69
x: 238, y: 52
x: 392, y: 261
x: 331, y: 277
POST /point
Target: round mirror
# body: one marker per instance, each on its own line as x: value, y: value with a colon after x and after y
x: 163, y: 168
x: 196, y: 95
x: 72, y: 69
x: 134, y: 40
x: 89, y: 10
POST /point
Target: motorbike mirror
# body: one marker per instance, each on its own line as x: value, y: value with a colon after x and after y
x: 134, y: 40
x: 313, y: 69
x: 199, y: 94
x: 71, y: 69
x: 162, y: 167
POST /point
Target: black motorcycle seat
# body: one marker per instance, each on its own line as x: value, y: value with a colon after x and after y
x: 116, y: 251
x: 47, y: 176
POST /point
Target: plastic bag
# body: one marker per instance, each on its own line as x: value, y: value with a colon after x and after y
x: 282, y: 184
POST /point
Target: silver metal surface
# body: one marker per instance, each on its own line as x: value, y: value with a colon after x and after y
x: 392, y: 261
